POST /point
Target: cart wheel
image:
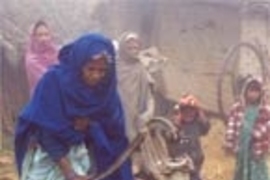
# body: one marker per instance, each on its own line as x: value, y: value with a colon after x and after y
x: 229, y: 68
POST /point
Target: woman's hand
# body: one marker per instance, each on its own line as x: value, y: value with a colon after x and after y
x: 81, y: 124
x: 78, y: 177
x: 68, y: 171
x: 258, y: 157
x: 228, y: 151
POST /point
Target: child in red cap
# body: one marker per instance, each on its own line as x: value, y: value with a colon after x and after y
x: 191, y: 124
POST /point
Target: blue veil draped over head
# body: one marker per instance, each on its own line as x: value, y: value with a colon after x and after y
x: 61, y: 96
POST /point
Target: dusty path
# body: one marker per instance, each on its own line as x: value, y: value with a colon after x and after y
x: 7, y: 169
x: 218, y: 166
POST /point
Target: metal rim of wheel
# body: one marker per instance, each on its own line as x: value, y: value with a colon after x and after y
x: 228, y: 60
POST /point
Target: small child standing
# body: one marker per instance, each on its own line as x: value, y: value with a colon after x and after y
x: 191, y: 124
x: 247, y: 133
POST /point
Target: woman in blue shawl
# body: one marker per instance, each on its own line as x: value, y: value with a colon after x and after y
x: 75, y: 104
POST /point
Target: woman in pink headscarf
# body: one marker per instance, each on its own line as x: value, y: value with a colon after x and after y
x: 41, y: 53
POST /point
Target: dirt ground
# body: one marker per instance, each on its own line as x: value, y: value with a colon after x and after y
x: 218, y: 166
x: 7, y: 169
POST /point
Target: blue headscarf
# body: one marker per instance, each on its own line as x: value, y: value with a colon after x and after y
x: 61, y: 96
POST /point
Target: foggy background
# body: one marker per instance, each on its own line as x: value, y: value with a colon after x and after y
x: 195, y: 35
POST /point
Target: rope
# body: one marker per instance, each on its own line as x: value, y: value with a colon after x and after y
x: 134, y: 145
x: 154, y: 149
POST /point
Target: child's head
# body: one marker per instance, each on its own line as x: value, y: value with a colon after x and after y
x: 253, y: 92
x: 188, y: 113
x: 188, y: 108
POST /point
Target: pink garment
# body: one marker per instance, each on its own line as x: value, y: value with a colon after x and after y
x: 38, y: 58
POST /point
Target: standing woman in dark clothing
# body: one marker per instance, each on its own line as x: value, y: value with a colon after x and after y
x: 75, y: 105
